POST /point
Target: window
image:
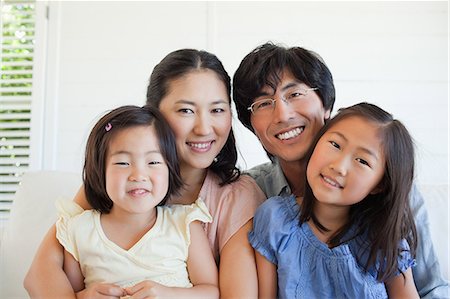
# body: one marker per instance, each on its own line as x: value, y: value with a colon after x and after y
x: 16, y: 95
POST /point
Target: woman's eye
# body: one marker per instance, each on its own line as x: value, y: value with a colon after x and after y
x: 218, y: 110
x: 121, y: 163
x: 154, y: 162
x: 186, y: 111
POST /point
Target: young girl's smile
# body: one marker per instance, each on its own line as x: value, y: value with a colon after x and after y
x: 136, y: 173
x: 347, y: 163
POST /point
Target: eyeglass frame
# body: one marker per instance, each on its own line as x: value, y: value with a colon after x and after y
x: 273, y: 101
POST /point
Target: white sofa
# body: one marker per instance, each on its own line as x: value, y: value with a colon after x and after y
x: 33, y: 212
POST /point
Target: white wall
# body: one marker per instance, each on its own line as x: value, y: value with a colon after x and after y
x: 394, y: 54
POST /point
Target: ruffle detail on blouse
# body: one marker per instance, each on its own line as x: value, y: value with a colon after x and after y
x: 66, y: 209
x: 198, y: 211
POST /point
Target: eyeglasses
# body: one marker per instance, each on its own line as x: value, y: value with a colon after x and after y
x: 267, y: 105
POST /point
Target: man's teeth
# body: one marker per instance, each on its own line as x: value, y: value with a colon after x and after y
x: 199, y: 145
x: 290, y: 134
x: 329, y: 181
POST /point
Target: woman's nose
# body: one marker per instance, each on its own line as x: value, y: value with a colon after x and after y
x: 203, y: 125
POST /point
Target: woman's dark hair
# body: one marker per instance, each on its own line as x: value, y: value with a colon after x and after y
x: 94, y: 170
x: 385, y: 217
x: 264, y: 66
x: 180, y: 63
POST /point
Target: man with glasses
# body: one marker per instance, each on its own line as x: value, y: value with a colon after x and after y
x: 284, y: 96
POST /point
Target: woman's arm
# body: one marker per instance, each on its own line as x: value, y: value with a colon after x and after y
x: 46, y: 278
x: 267, y: 277
x: 400, y: 287
x: 202, y: 273
x: 80, y: 199
x: 237, y: 271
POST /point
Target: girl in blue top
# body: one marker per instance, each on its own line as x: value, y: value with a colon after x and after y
x: 352, y: 235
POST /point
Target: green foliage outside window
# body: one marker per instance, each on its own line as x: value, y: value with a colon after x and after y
x: 16, y: 78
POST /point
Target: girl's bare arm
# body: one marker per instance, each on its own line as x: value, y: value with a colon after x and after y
x: 400, y: 287
x: 267, y: 277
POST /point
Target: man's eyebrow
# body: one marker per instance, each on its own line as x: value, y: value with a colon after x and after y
x: 283, y: 88
x: 289, y: 85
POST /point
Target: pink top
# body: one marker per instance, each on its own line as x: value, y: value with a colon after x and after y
x: 231, y: 206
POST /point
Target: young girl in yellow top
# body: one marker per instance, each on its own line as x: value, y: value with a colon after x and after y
x: 130, y: 238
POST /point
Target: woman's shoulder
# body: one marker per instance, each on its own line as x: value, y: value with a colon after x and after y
x: 244, y: 181
x: 246, y: 184
x: 231, y: 205
x: 244, y: 187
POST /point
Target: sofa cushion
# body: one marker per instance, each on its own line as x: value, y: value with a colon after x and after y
x: 32, y: 213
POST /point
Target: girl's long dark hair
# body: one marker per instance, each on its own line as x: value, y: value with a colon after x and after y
x: 385, y: 217
x: 179, y: 63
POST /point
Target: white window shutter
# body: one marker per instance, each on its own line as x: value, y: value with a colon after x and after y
x: 16, y: 85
